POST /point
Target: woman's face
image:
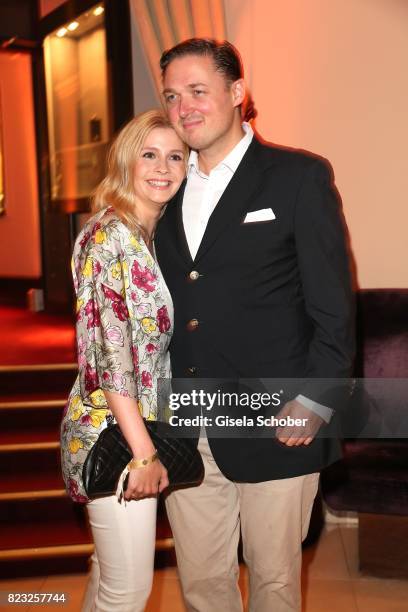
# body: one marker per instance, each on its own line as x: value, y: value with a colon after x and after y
x: 160, y: 168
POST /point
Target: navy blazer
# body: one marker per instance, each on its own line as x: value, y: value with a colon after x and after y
x: 272, y: 299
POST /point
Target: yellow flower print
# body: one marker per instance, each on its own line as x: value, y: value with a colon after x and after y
x: 140, y: 407
x: 75, y: 401
x: 75, y: 444
x: 87, y: 269
x: 135, y: 244
x: 116, y: 270
x: 76, y: 408
x: 151, y: 416
x: 75, y: 414
x: 79, y: 304
x: 100, y: 236
x: 148, y: 325
x: 125, y: 271
x: 98, y: 398
x: 97, y: 417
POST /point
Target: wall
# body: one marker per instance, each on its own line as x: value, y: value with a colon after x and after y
x: 326, y: 76
x: 144, y: 91
x: 47, y: 6
x: 19, y: 227
x: 331, y: 77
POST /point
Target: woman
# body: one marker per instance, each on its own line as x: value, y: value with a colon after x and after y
x: 124, y: 326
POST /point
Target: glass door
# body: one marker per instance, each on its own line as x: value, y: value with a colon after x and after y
x: 77, y: 109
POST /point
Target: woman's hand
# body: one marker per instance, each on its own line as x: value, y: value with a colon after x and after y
x: 142, y: 481
x: 146, y: 481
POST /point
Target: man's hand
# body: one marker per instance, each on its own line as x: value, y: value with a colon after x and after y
x: 298, y: 435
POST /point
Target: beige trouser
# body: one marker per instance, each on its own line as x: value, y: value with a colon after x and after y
x: 123, y: 562
x: 274, y: 517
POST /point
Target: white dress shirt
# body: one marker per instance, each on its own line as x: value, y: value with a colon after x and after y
x: 203, y: 191
x: 201, y: 196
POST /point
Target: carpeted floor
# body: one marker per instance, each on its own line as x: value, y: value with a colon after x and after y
x: 28, y: 338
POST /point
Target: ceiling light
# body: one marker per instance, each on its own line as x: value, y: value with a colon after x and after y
x: 61, y: 32
x: 98, y: 11
x: 73, y: 26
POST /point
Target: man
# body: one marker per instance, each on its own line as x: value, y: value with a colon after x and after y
x: 253, y: 252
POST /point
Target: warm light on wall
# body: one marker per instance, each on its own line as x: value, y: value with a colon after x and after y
x: 61, y: 32
x: 98, y: 11
x: 73, y: 26
x: 161, y: 25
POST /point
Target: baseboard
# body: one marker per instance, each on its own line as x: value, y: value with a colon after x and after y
x: 339, y: 517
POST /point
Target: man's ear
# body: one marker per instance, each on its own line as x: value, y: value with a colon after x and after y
x: 238, y: 90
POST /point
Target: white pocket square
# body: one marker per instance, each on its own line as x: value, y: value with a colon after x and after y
x: 265, y: 214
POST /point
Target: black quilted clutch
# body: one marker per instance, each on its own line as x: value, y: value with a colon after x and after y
x: 110, y: 455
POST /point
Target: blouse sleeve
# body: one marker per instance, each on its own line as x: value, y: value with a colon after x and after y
x: 106, y: 354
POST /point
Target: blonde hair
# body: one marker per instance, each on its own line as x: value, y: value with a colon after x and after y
x: 116, y: 189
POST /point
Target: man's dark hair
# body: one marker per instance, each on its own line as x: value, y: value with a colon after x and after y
x: 224, y: 55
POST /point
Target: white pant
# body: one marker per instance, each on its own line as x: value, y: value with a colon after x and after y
x: 123, y: 562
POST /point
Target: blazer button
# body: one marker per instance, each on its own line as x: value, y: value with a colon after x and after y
x: 194, y: 275
x: 192, y: 371
x: 192, y: 325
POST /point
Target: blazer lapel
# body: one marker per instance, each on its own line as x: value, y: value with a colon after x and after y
x: 243, y: 186
x: 174, y: 218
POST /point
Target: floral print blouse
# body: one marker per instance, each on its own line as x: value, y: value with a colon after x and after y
x: 123, y: 329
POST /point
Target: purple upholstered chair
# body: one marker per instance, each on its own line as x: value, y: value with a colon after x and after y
x: 372, y: 478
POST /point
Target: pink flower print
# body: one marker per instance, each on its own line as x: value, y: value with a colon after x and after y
x: 150, y: 348
x: 118, y: 380
x: 118, y: 304
x: 163, y: 319
x: 120, y: 310
x: 96, y: 268
x: 92, y: 312
x: 80, y: 315
x: 73, y: 492
x: 135, y: 355
x: 81, y: 344
x: 86, y: 419
x: 91, y: 379
x: 146, y: 379
x: 111, y: 294
x: 114, y: 335
x: 143, y: 310
x: 85, y: 239
x: 106, y: 376
x: 95, y: 228
x: 143, y: 278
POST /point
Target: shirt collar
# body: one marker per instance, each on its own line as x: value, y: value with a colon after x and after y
x: 234, y: 157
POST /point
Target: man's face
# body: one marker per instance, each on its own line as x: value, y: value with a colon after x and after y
x: 200, y: 102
